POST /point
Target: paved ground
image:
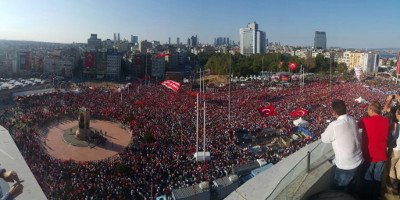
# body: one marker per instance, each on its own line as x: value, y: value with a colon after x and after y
x: 117, y: 140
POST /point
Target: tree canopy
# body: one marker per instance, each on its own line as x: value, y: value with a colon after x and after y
x: 243, y: 66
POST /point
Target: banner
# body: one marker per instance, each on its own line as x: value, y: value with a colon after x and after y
x: 27, y: 61
x: 137, y: 60
x: 358, y: 72
x: 89, y: 59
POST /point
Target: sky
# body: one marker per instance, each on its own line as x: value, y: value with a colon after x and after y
x: 348, y: 24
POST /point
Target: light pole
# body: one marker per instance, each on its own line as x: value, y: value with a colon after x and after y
x: 262, y: 69
x: 145, y: 76
x: 229, y: 105
x: 330, y: 71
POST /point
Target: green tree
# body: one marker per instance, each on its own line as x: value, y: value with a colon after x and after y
x: 322, y: 63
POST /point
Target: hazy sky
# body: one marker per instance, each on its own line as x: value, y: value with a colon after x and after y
x: 347, y: 23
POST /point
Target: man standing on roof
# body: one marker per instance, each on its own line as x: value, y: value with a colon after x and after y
x: 374, y: 147
x: 346, y: 143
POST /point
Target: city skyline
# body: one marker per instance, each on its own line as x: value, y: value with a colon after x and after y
x: 355, y: 24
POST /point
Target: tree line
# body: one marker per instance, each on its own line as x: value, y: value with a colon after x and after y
x: 249, y: 65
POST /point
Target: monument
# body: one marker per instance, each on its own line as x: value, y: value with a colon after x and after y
x: 83, y: 130
x: 83, y: 135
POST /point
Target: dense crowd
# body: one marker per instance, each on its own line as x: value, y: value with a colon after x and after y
x: 156, y: 168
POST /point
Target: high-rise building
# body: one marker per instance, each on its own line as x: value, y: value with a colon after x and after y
x: 134, y: 39
x: 157, y: 66
x: 252, y: 40
x: 119, y: 39
x: 115, y: 37
x: 23, y: 60
x: 188, y: 41
x: 144, y: 46
x: 113, y: 65
x: 177, y: 41
x: 193, y: 41
x: 169, y: 40
x: 94, y: 42
x: 320, y: 40
x: 221, y: 41
x: 369, y: 62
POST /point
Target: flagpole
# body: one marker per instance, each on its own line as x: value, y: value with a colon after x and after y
x: 204, y: 132
x: 197, y: 123
x: 200, y: 82
x: 262, y: 69
x: 229, y: 105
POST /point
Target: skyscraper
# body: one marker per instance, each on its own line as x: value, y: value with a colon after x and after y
x: 169, y: 40
x: 119, y: 39
x: 177, y: 41
x: 115, y: 37
x: 193, y: 41
x: 221, y: 41
x: 94, y: 42
x: 252, y: 40
x: 320, y: 40
x: 134, y: 39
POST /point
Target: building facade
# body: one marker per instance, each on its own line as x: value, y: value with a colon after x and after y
x: 252, y: 40
x: 369, y: 62
x: 157, y: 67
x: 113, y: 65
x: 134, y: 39
x: 58, y: 66
x: 94, y: 42
x: 320, y: 40
x: 144, y: 46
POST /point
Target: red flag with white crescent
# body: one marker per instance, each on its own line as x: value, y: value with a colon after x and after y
x: 173, y: 85
x: 299, y: 113
x: 292, y: 66
x: 267, y: 111
x: 89, y: 59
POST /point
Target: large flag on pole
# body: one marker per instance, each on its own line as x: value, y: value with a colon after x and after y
x: 267, y: 111
x: 171, y: 85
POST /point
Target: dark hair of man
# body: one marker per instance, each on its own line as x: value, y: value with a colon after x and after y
x: 339, y: 107
x: 375, y: 107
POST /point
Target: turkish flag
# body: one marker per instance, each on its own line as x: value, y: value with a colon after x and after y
x: 267, y: 111
x: 292, y: 66
x: 89, y: 59
x: 165, y: 54
x: 172, y: 85
x: 299, y: 113
x: 280, y: 64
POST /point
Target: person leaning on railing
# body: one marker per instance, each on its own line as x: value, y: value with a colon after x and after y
x: 346, y: 144
x: 16, y: 189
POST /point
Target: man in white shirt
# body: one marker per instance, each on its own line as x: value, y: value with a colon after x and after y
x: 346, y: 143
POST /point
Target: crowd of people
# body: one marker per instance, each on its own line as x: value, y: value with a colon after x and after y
x: 158, y: 167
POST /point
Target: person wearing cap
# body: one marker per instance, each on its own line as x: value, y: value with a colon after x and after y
x: 16, y: 189
x: 375, y: 132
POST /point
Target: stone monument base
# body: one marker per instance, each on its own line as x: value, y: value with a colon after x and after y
x: 69, y: 137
